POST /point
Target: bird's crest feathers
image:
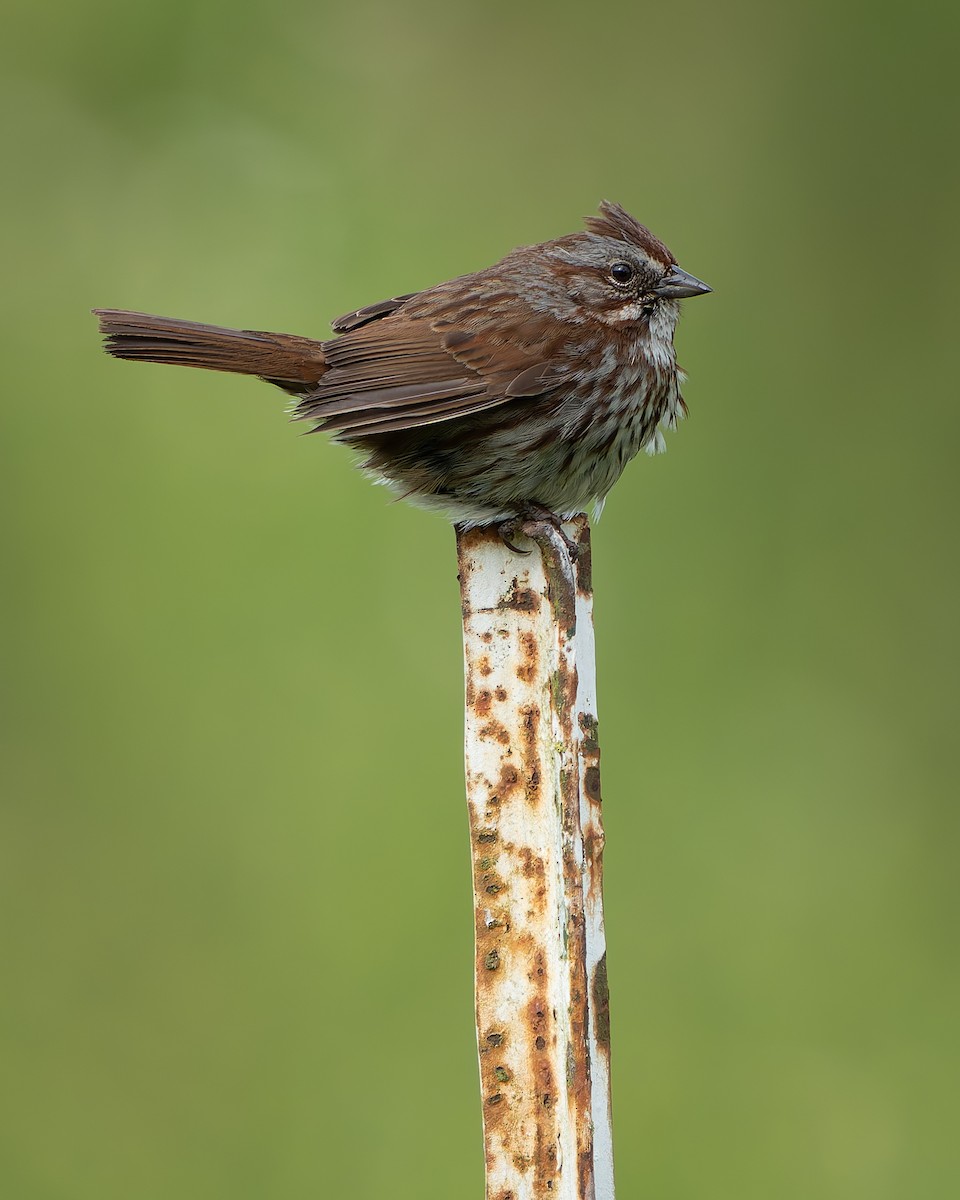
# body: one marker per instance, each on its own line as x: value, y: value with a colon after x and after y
x: 615, y: 222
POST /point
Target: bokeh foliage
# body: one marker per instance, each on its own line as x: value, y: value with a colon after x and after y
x: 235, y: 879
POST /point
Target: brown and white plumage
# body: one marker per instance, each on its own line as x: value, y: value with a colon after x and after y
x: 527, y: 385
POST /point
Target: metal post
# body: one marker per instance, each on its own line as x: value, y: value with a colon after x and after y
x: 533, y: 792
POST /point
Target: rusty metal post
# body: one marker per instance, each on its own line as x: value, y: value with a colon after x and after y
x: 533, y: 792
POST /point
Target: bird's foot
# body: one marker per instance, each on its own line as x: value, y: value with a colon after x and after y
x: 528, y: 521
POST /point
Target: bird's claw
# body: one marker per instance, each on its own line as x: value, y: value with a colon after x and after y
x: 508, y: 530
x: 527, y: 523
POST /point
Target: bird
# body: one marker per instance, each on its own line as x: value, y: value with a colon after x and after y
x: 512, y: 394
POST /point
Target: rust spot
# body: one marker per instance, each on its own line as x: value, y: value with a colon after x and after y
x: 481, y: 705
x: 529, y: 725
x: 520, y: 599
x: 534, y: 869
x: 591, y: 782
x: 492, y: 960
x: 601, y: 1002
x: 508, y: 781
x: 590, y: 729
x: 563, y: 697
x: 495, y: 731
x: 494, y: 1039
x: 536, y: 1012
x: 529, y: 657
x: 556, y: 567
x: 483, y: 666
x: 486, y: 637
x: 538, y: 1069
x: 585, y: 1183
x: 509, y: 775
x: 593, y: 841
x: 584, y: 558
x: 501, y: 694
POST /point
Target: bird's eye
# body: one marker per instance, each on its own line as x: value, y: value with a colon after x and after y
x: 621, y: 272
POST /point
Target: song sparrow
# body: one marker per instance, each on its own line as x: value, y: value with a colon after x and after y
x: 521, y: 391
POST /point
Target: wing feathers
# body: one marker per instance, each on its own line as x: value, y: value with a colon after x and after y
x: 372, y: 312
x: 446, y: 354
x: 411, y: 396
x: 394, y: 366
x: 373, y: 422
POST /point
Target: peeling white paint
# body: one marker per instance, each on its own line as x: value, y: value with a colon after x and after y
x: 536, y: 839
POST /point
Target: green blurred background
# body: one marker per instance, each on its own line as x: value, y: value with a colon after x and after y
x: 235, y: 877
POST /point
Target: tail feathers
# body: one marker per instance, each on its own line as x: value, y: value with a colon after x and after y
x: 292, y: 363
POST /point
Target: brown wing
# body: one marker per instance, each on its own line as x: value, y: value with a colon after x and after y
x: 456, y: 350
x: 372, y: 312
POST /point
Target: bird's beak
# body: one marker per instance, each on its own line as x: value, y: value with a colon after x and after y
x: 676, y: 284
